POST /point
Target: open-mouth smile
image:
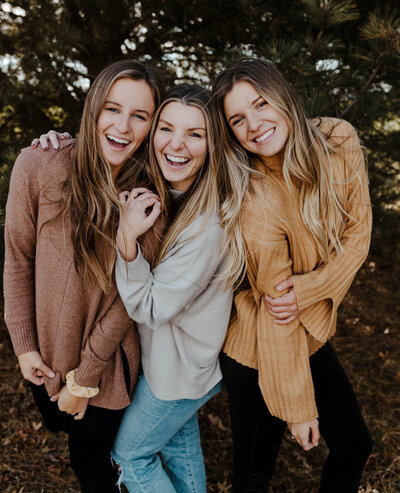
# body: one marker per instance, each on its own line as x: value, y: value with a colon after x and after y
x: 117, y: 142
x: 176, y: 162
x: 265, y: 136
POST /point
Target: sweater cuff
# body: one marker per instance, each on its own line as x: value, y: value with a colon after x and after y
x: 292, y: 409
x: 318, y: 319
x: 90, y: 371
x: 138, y: 270
x: 23, y: 337
x: 306, y: 289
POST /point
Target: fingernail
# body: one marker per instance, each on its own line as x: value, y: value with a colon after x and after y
x: 45, y: 148
x: 34, y: 146
x: 52, y: 374
x: 56, y: 146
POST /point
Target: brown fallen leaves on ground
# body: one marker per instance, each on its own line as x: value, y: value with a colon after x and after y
x: 34, y: 460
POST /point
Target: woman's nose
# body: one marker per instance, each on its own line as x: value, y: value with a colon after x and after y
x: 122, y: 124
x: 254, y: 122
x: 177, y: 142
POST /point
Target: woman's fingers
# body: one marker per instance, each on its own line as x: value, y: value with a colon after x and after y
x: 315, y: 435
x: 135, y: 192
x: 44, y: 142
x: 306, y: 434
x: 155, y: 212
x: 123, y: 197
x: 80, y: 415
x: 286, y: 284
x: 52, y: 137
x: 55, y: 138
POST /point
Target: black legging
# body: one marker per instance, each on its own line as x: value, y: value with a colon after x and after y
x: 257, y: 435
x: 89, y: 439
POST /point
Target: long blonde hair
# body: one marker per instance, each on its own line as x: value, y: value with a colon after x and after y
x: 307, y: 153
x: 90, y: 194
x: 208, y: 194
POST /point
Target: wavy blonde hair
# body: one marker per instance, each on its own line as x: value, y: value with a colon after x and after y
x: 306, y: 163
x: 209, y: 193
x: 90, y: 194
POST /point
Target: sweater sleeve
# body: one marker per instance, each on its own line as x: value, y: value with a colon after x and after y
x: 282, y: 351
x: 325, y: 287
x: 110, y: 330
x: 20, y: 248
x: 102, y: 343
x: 159, y: 296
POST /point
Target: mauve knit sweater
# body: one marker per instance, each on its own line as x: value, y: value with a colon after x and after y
x: 46, y: 307
x: 280, y: 246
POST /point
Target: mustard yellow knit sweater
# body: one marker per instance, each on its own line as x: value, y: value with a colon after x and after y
x: 280, y: 246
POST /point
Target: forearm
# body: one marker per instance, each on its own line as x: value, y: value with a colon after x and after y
x: 103, y: 342
x: 284, y: 368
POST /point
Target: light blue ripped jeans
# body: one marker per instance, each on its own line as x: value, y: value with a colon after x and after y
x: 152, y: 428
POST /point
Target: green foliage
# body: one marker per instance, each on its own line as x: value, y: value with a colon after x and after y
x: 342, y: 56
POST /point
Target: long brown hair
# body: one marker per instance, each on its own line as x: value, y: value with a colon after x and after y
x: 307, y: 152
x: 91, y: 195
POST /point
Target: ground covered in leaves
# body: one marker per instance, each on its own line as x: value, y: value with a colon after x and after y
x: 33, y: 460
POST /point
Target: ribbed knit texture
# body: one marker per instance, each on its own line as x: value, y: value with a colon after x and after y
x: 46, y: 307
x: 280, y: 246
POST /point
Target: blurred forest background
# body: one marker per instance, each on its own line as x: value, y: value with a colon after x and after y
x: 343, y: 57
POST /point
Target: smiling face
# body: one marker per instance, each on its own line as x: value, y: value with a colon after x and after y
x: 259, y: 127
x: 180, y: 144
x: 124, y: 120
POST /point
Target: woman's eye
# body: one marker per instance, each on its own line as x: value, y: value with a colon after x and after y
x: 165, y: 129
x: 114, y: 110
x: 195, y: 134
x: 237, y: 121
x: 140, y: 117
x: 262, y: 104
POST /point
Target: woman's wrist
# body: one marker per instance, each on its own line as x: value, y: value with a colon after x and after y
x: 78, y: 390
x: 126, y: 246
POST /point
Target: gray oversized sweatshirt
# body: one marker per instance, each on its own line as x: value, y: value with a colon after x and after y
x: 182, y: 312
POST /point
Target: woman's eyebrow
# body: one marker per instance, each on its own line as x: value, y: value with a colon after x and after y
x: 135, y: 110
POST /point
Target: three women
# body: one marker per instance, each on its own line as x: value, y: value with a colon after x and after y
x: 306, y: 221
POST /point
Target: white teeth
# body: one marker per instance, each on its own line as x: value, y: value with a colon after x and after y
x: 116, y: 139
x: 265, y: 136
x: 176, y: 159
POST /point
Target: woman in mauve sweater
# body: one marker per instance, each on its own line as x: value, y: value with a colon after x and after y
x: 62, y: 308
x: 306, y: 223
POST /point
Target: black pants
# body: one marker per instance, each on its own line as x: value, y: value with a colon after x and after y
x: 257, y: 435
x: 90, y: 440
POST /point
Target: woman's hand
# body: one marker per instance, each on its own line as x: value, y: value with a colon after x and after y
x: 33, y: 367
x: 139, y: 211
x: 284, y: 308
x: 306, y: 434
x: 52, y: 137
x: 76, y: 406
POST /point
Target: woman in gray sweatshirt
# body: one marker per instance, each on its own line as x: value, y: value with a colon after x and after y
x: 181, y: 303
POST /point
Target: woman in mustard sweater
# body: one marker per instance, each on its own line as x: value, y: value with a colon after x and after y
x: 306, y: 223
